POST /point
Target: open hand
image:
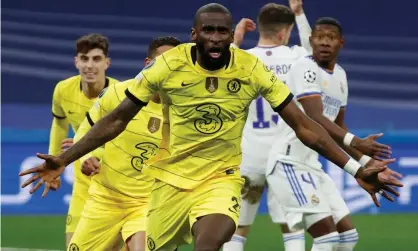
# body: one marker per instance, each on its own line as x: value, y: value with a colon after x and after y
x: 47, y: 172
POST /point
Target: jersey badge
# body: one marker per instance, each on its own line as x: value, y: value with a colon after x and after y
x: 154, y: 124
x: 234, y: 86
x: 309, y: 76
x: 211, y: 84
x: 314, y: 200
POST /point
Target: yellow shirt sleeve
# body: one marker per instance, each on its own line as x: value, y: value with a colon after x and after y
x: 60, y: 125
x: 57, y: 110
x: 149, y: 81
x: 270, y: 87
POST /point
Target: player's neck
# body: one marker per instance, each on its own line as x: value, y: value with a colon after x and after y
x: 328, y: 65
x: 93, y: 90
x: 269, y: 42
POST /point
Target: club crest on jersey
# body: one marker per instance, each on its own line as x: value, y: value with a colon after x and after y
x: 211, y: 84
x: 150, y: 243
x: 314, y: 200
x: 309, y: 76
x: 234, y: 86
x: 73, y: 247
x: 154, y: 124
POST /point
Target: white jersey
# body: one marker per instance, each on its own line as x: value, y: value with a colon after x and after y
x: 261, y: 126
x: 306, y: 79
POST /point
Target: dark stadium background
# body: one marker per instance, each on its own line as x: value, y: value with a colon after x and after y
x: 381, y: 59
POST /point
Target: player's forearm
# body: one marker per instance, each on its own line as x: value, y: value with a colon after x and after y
x: 59, y: 131
x: 315, y: 137
x: 336, y: 132
x: 103, y: 131
x: 304, y: 31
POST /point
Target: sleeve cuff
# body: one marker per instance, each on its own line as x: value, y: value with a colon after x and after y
x: 58, y: 117
x: 134, y: 99
x: 285, y: 102
x: 307, y: 94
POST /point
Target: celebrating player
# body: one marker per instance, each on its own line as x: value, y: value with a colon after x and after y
x: 307, y: 194
x: 275, y: 23
x: 72, y: 98
x: 119, y: 191
x: 206, y: 88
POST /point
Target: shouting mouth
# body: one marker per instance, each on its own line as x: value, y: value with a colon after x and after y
x: 215, y: 53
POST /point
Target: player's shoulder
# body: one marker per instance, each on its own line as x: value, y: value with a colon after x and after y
x: 117, y: 90
x: 69, y: 83
x: 112, y: 80
x: 306, y: 62
x: 175, y: 57
x: 244, y: 58
x: 340, y: 69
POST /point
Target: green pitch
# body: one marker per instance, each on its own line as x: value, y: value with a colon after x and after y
x: 391, y: 232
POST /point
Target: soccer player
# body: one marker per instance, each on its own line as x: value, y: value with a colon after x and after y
x: 307, y: 194
x: 275, y: 23
x: 206, y: 88
x: 72, y: 98
x: 119, y: 192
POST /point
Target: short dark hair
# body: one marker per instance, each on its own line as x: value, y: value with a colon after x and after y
x: 161, y: 41
x: 330, y: 21
x: 274, y: 17
x: 210, y: 8
x: 92, y: 41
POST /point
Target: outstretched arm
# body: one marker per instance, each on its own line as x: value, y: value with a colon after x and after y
x: 103, y: 131
x: 356, y: 147
x: 312, y: 134
x: 302, y: 23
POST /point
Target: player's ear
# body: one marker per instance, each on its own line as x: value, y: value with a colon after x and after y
x: 342, y: 43
x: 147, y: 61
x: 193, y: 34
x: 107, y: 62
x: 232, y: 36
x: 76, y: 62
x: 310, y: 41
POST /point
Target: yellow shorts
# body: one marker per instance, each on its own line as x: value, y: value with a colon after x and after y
x: 173, y: 211
x: 103, y: 220
x: 78, y: 200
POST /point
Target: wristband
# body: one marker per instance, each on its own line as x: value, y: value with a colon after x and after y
x: 352, y: 167
x: 364, y: 159
x: 348, y: 138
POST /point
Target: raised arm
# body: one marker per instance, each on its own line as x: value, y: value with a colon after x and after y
x: 302, y: 23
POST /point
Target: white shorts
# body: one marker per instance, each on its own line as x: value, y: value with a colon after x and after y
x: 253, y: 171
x: 302, y: 191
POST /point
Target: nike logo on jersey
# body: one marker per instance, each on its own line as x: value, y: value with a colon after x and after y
x: 183, y: 84
x: 71, y: 112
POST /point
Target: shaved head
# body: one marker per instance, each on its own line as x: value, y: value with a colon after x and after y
x: 211, y: 8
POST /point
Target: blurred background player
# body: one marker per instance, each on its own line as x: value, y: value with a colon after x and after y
x: 119, y: 192
x: 72, y: 98
x: 306, y: 193
x: 275, y: 23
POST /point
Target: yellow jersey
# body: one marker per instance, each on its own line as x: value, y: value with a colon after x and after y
x: 206, y: 111
x: 69, y: 102
x: 122, y: 158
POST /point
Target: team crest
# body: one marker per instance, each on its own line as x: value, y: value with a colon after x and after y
x: 325, y: 84
x: 69, y: 219
x: 211, y: 84
x: 150, y: 244
x: 73, y: 247
x: 153, y: 124
x: 234, y: 86
x: 314, y: 200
